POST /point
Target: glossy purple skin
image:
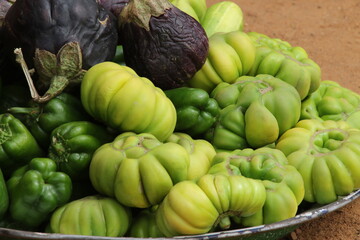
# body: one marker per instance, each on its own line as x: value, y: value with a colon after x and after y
x: 49, y: 24
x: 170, y: 53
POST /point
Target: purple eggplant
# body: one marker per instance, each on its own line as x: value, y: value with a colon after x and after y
x: 61, y: 39
x: 161, y: 42
x: 4, y: 7
x: 114, y: 6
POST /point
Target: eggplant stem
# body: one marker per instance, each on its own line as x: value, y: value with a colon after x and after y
x: 225, y: 223
x: 20, y: 59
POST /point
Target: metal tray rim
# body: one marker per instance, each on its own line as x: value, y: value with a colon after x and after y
x: 241, y: 232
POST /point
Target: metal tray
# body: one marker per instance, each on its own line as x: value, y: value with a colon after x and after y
x: 263, y: 232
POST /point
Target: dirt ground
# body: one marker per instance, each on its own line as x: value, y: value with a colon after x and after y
x: 329, y: 30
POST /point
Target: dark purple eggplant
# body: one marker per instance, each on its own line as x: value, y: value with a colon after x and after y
x: 60, y: 38
x: 4, y: 7
x: 161, y: 42
x: 114, y: 6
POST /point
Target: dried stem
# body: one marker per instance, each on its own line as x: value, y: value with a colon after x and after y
x: 20, y: 59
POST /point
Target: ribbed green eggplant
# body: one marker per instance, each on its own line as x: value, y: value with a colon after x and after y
x: 195, y: 8
x: 327, y: 154
x: 196, y: 207
x: 116, y: 96
x: 230, y: 56
x: 93, y: 215
x: 269, y: 107
x: 278, y: 58
x: 223, y: 16
x: 138, y: 169
x: 201, y: 153
x: 331, y: 101
x: 283, y: 183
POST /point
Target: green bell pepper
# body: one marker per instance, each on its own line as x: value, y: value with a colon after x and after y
x: 18, y: 146
x: 327, y: 154
x: 73, y: 144
x: 93, y: 215
x: 36, y: 190
x: 331, y: 101
x: 138, y: 169
x: 8, y: 222
x: 196, y: 112
x: 42, y: 119
x: 4, y: 197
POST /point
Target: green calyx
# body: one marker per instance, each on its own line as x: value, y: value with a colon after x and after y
x: 134, y: 146
x: 264, y: 87
x: 59, y: 151
x: 187, y: 143
x: 5, y: 133
x: 139, y: 12
x: 326, y: 141
x: 56, y: 72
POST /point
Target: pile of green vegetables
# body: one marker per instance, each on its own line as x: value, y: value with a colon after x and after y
x: 163, y: 118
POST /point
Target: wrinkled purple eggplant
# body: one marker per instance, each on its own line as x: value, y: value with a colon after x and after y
x: 56, y: 31
x: 161, y: 42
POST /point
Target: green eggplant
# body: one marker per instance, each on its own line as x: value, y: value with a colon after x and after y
x: 327, y: 154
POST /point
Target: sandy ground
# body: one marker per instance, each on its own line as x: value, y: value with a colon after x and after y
x: 329, y: 30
